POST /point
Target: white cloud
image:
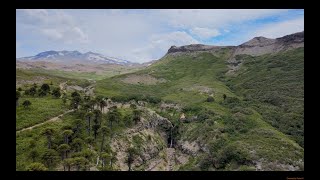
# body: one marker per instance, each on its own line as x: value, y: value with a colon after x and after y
x: 55, y: 25
x: 213, y: 18
x: 205, y: 33
x: 160, y: 43
x: 140, y: 35
x: 279, y: 29
x: 52, y: 33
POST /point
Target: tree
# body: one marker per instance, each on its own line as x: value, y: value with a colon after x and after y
x: 97, y: 116
x: 95, y: 129
x: 18, y: 95
x: 88, y: 154
x: 64, y: 98
x: 104, y: 130
x: 67, y: 134
x: 45, y: 87
x: 48, y: 132
x: 133, y: 106
x: 136, y: 115
x: 210, y: 99
x: 36, y: 167
x: 80, y: 162
x: 42, y: 93
x: 90, y: 141
x: 113, y: 158
x: 75, y: 94
x: 19, y: 89
x: 35, y: 85
x: 63, y: 149
x: 92, y: 103
x: 75, y: 101
x: 77, y: 123
x: 32, y: 91
x: 77, y: 144
x: 68, y: 163
x: 102, y: 104
x: 33, y: 154
x: 224, y: 96
x: 51, y: 83
x: 26, y: 103
x: 50, y: 157
x: 105, y: 157
x: 131, y: 153
x: 56, y: 92
x: 86, y: 98
x: 113, y: 116
x: 88, y: 116
x: 86, y: 107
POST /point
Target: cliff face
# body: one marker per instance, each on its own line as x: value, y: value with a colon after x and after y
x: 194, y: 48
x: 255, y: 47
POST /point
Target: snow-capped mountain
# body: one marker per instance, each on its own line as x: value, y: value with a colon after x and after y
x: 74, y: 57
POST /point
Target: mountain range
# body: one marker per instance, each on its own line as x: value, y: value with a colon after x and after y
x: 75, y: 57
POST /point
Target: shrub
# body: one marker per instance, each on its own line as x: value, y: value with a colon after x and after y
x: 74, y: 94
x: 191, y: 108
x: 42, y: 93
x: 45, y: 87
x: 210, y: 99
x: 56, y: 92
x: 26, y: 103
x: 233, y: 153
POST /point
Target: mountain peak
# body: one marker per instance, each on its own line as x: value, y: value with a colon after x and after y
x: 191, y: 48
x: 257, y: 41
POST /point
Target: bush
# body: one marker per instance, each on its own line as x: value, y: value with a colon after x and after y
x: 26, y: 103
x: 119, y: 98
x: 32, y: 91
x: 42, y: 93
x: 205, y: 164
x: 210, y: 99
x: 56, y: 92
x: 242, y: 110
x: 152, y: 99
x: 191, y: 108
x: 45, y: 87
x: 233, y: 153
x: 236, y: 124
x: 74, y: 94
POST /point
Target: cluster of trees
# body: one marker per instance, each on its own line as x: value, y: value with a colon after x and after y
x: 32, y: 91
x: 89, y: 136
x: 25, y: 103
x: 42, y: 91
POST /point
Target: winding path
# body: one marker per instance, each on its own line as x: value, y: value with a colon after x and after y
x: 50, y: 120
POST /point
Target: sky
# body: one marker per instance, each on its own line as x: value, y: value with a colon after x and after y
x: 143, y: 35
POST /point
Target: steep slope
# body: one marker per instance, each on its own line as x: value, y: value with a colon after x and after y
x: 242, y: 129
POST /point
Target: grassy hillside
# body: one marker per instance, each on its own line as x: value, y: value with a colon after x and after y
x: 181, y: 74
x: 40, y: 110
x: 25, y: 78
x: 274, y: 86
x: 240, y: 131
x: 251, y: 120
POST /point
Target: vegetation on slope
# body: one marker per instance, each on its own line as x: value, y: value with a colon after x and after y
x: 274, y: 86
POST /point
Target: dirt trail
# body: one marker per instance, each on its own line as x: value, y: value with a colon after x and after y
x: 170, y: 157
x: 50, y: 120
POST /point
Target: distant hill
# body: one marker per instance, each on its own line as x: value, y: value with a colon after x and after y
x: 75, y: 57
